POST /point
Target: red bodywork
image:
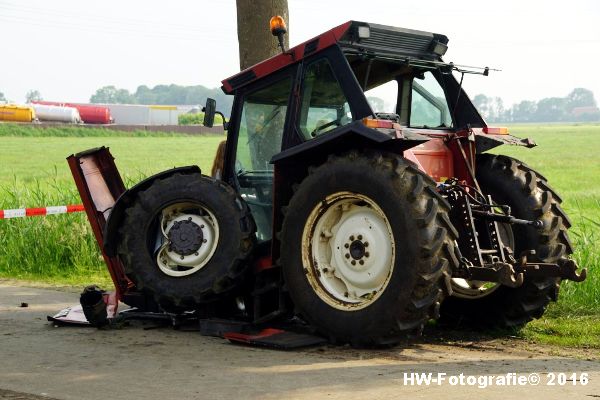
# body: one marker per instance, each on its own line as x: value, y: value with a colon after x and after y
x: 441, y: 157
x: 89, y: 114
x: 291, y: 56
x: 434, y: 158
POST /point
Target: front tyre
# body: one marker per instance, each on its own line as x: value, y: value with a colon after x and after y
x: 365, y: 248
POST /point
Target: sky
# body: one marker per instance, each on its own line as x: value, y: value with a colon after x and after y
x: 66, y: 49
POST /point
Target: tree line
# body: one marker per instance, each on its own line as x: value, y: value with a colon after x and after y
x: 163, y: 95
x: 579, y: 105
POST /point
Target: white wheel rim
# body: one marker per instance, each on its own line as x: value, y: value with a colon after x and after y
x: 174, y: 263
x: 348, y: 250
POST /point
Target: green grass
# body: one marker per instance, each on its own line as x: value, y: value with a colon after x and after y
x: 31, y: 159
x: 565, y: 331
x: 26, y: 130
x: 61, y: 249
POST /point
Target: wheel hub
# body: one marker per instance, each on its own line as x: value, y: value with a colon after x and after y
x: 185, y: 237
x: 188, y: 238
x: 357, y: 249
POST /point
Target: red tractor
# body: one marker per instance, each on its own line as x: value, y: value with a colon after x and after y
x: 355, y: 192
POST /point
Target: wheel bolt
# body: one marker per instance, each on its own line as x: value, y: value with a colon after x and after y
x: 201, y: 226
x: 353, y: 262
x: 352, y: 238
x: 189, y: 218
x: 345, y: 294
x: 196, y: 253
x: 367, y: 254
x: 182, y: 257
x: 204, y: 241
x: 347, y: 255
x: 359, y: 237
x: 361, y: 262
x: 346, y: 245
x: 366, y: 244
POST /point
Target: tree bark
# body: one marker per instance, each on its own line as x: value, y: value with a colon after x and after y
x: 255, y: 40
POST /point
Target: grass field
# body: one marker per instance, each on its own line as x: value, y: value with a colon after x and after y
x: 60, y: 249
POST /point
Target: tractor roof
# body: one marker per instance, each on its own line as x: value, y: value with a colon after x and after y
x: 353, y: 37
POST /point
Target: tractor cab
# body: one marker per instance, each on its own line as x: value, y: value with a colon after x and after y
x: 329, y: 88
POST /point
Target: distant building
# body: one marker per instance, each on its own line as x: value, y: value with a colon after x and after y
x: 137, y: 114
x: 579, y: 111
x: 130, y: 114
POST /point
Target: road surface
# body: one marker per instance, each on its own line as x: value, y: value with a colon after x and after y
x: 39, y: 361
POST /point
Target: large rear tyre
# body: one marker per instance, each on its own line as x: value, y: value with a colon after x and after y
x: 186, y: 239
x: 366, y: 244
x: 511, y: 182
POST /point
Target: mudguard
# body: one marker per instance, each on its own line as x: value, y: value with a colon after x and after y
x: 352, y: 136
x: 111, y: 230
x: 485, y: 142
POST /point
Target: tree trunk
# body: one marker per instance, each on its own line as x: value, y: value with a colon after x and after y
x: 254, y: 36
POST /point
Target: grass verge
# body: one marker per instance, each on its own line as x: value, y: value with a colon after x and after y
x: 565, y: 331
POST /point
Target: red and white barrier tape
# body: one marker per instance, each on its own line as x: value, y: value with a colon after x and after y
x: 41, y: 211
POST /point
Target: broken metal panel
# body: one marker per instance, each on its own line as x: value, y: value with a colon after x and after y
x: 99, y: 184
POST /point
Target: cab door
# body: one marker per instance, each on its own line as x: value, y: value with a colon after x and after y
x: 261, y: 118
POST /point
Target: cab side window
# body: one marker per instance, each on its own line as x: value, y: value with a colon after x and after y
x: 428, y: 107
x: 323, y: 106
x: 261, y: 127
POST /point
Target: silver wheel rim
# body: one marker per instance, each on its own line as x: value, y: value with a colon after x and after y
x: 468, y: 289
x: 172, y: 261
x: 348, y: 251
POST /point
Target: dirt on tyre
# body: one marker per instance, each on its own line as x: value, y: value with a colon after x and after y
x: 527, y: 192
x: 186, y: 240
x: 366, y: 245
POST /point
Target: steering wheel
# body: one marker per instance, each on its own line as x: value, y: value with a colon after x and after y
x: 319, y: 128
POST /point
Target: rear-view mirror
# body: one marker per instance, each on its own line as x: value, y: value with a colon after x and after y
x: 209, y: 112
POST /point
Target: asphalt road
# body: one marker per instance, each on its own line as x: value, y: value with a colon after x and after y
x: 39, y: 361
